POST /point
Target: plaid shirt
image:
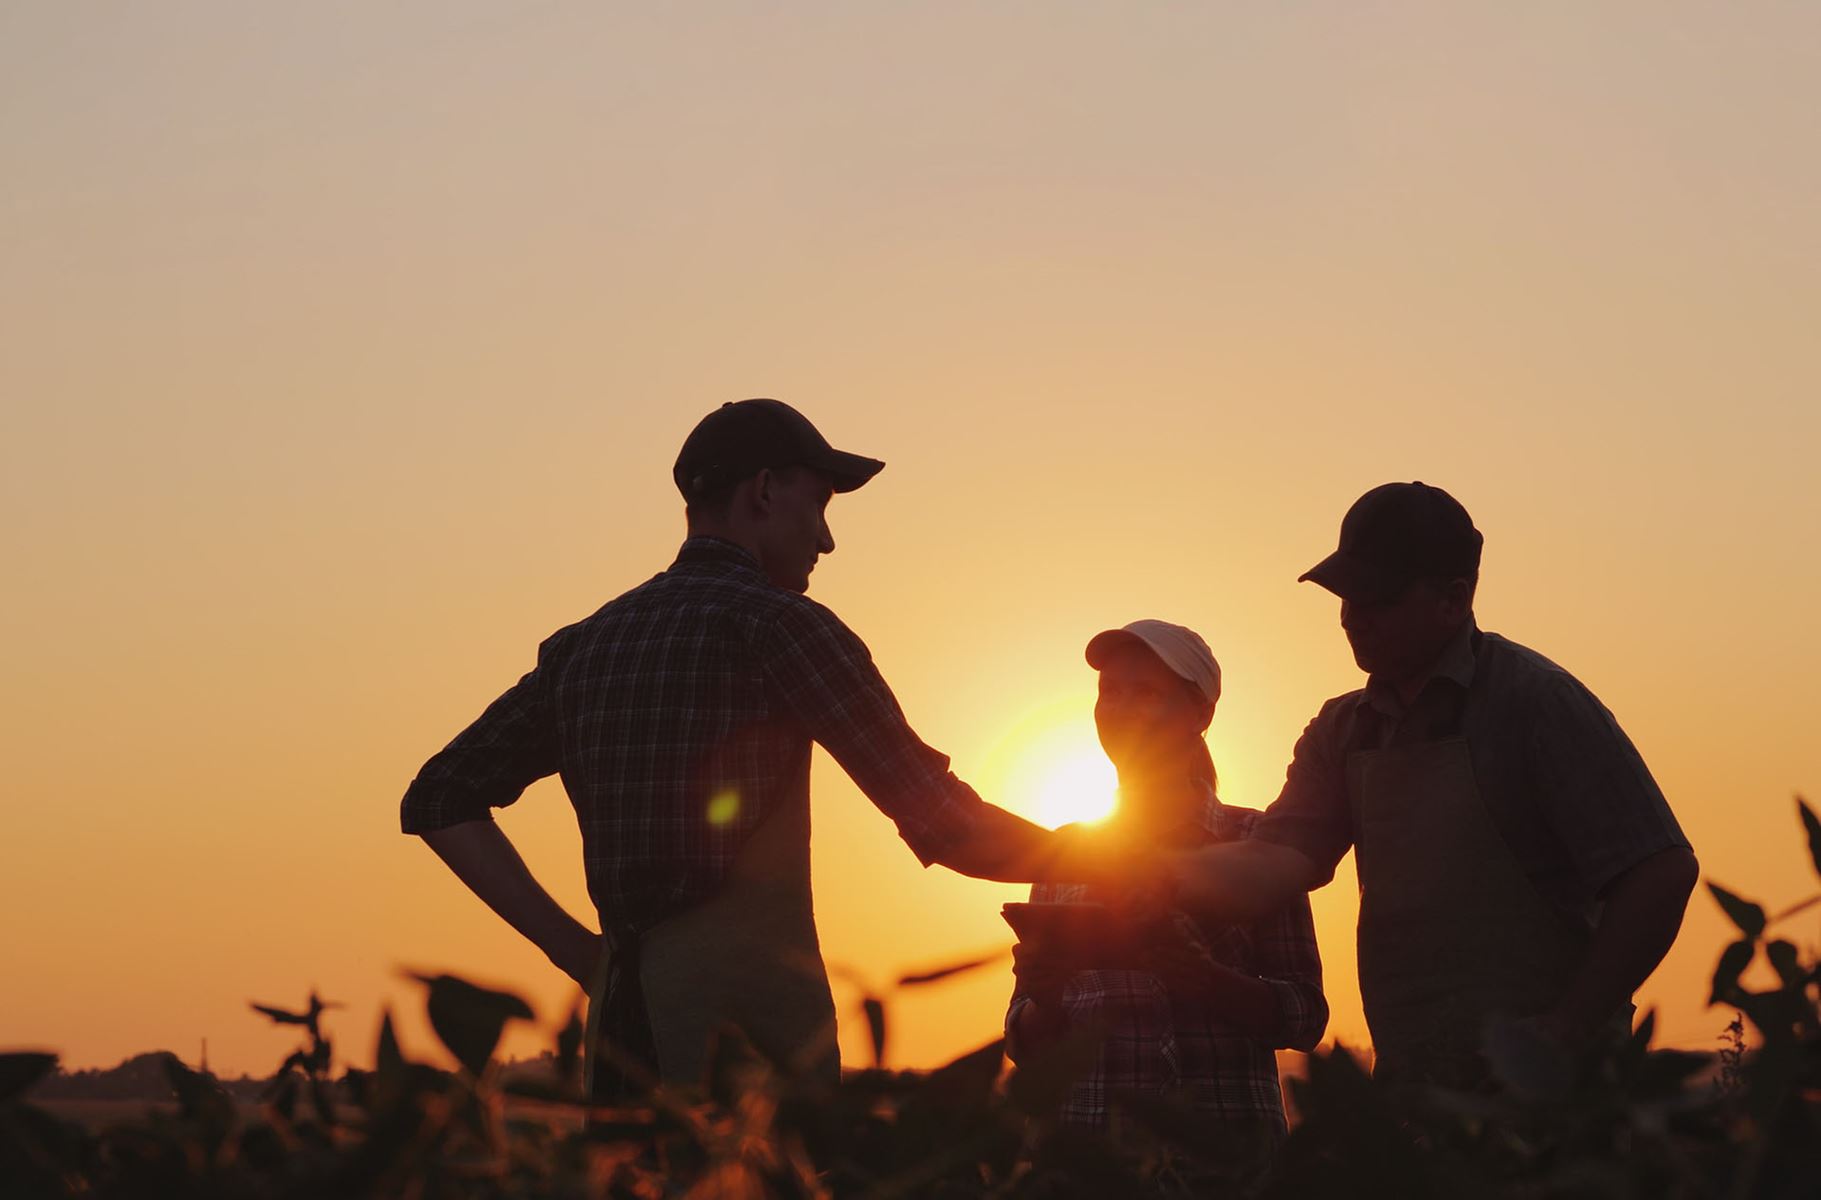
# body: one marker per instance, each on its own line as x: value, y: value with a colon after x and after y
x: 1159, y: 1044
x: 677, y: 716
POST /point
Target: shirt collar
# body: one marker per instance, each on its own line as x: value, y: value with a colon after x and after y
x: 1456, y: 665
x: 1457, y: 661
x: 702, y: 550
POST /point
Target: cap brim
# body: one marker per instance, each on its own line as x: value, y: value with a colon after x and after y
x: 845, y: 471
x: 1102, y: 645
x: 1352, y: 579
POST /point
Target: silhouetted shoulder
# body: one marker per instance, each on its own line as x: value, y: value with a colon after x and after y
x: 1340, y: 706
x: 1520, y: 658
x: 794, y: 617
x: 1331, y: 723
x: 570, y: 635
x: 797, y: 606
x: 1522, y: 672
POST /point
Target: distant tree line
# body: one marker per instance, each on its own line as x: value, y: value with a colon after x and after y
x: 141, y: 1077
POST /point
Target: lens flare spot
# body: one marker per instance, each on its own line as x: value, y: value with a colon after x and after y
x: 723, y: 807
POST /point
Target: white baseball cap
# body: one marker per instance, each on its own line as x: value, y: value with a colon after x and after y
x: 1180, y: 648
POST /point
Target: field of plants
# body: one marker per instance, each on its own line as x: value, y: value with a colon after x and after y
x: 1628, y: 1122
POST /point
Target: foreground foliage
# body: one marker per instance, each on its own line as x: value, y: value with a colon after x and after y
x: 1629, y: 1121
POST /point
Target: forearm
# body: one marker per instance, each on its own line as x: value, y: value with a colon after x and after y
x: 1237, y: 882
x: 483, y: 857
x: 1007, y: 848
x: 1643, y: 912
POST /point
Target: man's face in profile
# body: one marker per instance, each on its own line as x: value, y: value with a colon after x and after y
x: 1145, y: 713
x: 796, y: 527
x: 1401, y: 636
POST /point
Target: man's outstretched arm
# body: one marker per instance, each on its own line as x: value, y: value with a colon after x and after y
x: 484, y: 858
x: 1005, y: 847
x: 1293, y: 848
x: 1001, y: 846
x: 1241, y: 881
x: 825, y: 674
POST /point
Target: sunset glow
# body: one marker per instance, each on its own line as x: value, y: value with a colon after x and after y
x: 1048, y: 765
x: 1080, y: 786
x: 349, y: 347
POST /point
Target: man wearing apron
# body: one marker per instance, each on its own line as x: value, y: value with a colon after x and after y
x: 1516, y: 860
x: 680, y: 718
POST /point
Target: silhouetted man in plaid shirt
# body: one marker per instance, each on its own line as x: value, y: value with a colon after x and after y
x: 680, y: 717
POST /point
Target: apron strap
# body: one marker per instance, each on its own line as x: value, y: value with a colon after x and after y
x: 623, y: 1057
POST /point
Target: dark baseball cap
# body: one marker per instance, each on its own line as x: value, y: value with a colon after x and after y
x: 1394, y: 535
x: 743, y: 437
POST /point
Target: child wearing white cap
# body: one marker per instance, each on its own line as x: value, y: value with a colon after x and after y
x: 1203, y: 1021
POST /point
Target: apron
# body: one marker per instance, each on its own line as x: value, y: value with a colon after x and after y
x: 748, y: 956
x: 1452, y: 932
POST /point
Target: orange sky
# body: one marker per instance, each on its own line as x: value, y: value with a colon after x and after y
x: 344, y: 353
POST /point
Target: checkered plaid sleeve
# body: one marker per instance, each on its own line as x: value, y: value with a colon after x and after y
x: 489, y: 764
x: 1284, y: 955
x: 826, y: 675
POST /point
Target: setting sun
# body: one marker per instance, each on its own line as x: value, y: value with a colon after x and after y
x: 1079, y: 787
x: 1050, y: 768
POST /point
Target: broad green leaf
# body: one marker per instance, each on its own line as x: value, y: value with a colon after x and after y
x: 469, y: 1019
x: 1746, y: 915
x: 1784, y: 958
x: 318, y: 1006
x: 1629, y: 1058
x: 1647, y: 1028
x: 923, y: 977
x: 388, y: 1058
x: 1812, y: 823
x: 280, y: 1016
x: 1733, y: 961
